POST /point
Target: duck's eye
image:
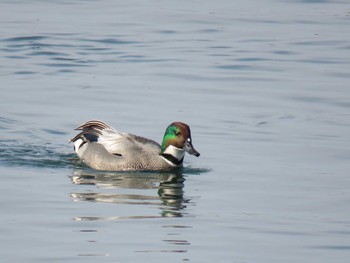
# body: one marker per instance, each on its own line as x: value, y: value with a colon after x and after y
x: 178, y: 133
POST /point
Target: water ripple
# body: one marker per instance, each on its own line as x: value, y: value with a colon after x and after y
x: 114, y: 41
x: 14, y: 153
x: 24, y: 38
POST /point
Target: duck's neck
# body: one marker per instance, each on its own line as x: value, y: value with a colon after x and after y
x: 173, y: 155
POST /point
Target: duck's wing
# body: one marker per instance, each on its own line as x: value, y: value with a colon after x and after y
x: 126, y: 143
x: 115, y: 142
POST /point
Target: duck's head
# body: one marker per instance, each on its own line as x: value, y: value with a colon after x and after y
x: 177, y: 139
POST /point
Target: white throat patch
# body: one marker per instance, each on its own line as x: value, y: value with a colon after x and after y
x: 174, y: 151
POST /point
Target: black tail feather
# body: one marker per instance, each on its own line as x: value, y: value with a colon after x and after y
x: 95, y: 125
x: 90, y: 131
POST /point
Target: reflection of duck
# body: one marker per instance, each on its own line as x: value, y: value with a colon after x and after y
x: 103, y: 148
x: 171, y: 192
x: 170, y: 186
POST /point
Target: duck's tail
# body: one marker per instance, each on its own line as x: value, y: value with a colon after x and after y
x: 90, y: 132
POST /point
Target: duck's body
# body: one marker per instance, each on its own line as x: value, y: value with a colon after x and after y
x: 103, y: 148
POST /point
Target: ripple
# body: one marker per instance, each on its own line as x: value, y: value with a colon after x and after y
x: 47, y: 53
x: 24, y: 38
x: 319, y: 43
x: 15, y: 153
x: 189, y: 170
x: 177, y: 242
x: 64, y: 65
x: 7, y: 121
x: 332, y: 247
x: 167, y: 32
x: 24, y: 72
x: 283, y: 52
x: 94, y: 255
x: 112, y: 40
x: 54, y: 132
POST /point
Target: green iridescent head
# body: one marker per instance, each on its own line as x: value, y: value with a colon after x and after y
x: 170, y: 136
x: 178, y: 135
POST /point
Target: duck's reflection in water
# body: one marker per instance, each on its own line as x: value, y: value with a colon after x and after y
x: 161, y: 189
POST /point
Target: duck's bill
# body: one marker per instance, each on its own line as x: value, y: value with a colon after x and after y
x: 189, y: 148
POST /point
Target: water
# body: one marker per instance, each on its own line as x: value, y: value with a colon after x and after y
x: 264, y: 87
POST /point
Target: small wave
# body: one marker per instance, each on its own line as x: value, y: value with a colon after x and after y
x: 24, y: 38
x: 13, y: 153
x: 189, y: 170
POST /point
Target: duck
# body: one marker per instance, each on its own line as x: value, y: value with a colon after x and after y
x: 102, y: 147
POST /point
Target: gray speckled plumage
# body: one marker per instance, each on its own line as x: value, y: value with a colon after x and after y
x: 103, y: 148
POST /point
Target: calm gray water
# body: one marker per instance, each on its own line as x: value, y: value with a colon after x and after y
x: 264, y: 86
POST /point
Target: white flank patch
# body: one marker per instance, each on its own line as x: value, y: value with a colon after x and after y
x: 77, y: 144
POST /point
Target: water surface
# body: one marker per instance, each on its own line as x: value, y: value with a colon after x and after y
x: 264, y: 87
